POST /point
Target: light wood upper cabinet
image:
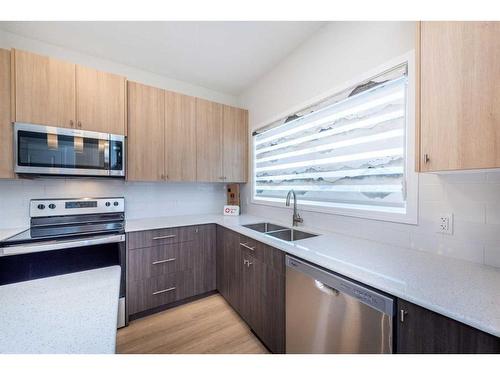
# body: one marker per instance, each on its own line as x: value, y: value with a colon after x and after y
x: 221, y: 133
x: 235, y: 144
x: 6, y: 159
x: 100, y: 101
x: 44, y: 90
x: 180, y: 137
x: 208, y: 141
x: 459, y: 95
x: 171, y: 136
x: 52, y: 92
x: 146, y: 133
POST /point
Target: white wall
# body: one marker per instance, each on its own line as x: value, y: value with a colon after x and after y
x: 337, y: 53
x: 141, y: 199
x: 10, y: 40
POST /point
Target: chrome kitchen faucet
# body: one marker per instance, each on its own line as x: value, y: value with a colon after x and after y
x: 296, y: 217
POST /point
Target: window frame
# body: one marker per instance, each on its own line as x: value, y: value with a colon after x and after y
x: 410, y: 175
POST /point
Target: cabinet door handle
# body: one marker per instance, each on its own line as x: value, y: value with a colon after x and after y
x: 402, y: 314
x: 426, y: 158
x: 79, y: 124
x: 164, y: 291
x: 164, y: 237
x: 71, y: 123
x: 247, y: 262
x: 163, y: 261
x: 247, y: 247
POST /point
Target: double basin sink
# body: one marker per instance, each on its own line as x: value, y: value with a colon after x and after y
x: 277, y: 231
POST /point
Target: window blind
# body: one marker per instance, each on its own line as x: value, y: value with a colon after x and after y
x: 347, y: 151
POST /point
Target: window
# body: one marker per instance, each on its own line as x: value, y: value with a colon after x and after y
x: 347, y: 154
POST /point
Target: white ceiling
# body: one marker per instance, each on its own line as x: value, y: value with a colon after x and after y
x: 223, y: 56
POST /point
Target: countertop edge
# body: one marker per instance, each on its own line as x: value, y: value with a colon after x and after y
x: 10, y: 232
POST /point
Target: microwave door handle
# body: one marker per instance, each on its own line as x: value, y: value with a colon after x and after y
x: 106, y: 154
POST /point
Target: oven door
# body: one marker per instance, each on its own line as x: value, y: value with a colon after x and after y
x: 49, y: 150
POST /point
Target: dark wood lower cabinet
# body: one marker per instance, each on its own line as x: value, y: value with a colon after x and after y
x: 170, y: 266
x: 250, y: 276
x: 179, y: 265
x: 204, y: 262
x: 265, y: 303
x: 422, y: 331
x: 229, y: 267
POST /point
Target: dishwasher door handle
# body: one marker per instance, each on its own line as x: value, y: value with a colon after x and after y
x: 326, y: 288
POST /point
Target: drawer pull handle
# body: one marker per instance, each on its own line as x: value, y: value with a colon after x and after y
x: 164, y: 261
x: 164, y: 237
x: 247, y: 263
x: 247, y: 247
x: 164, y: 291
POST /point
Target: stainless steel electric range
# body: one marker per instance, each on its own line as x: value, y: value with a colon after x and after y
x: 65, y: 236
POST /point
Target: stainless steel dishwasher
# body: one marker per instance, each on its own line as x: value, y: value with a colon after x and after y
x: 326, y: 313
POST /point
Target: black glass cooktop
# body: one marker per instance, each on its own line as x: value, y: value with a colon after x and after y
x: 67, y: 228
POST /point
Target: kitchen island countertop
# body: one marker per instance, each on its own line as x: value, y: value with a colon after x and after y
x: 71, y: 313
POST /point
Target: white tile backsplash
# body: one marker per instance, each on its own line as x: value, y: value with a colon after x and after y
x: 493, y: 213
x: 492, y: 254
x: 473, y: 198
x: 460, y: 248
x: 142, y: 199
x: 493, y: 177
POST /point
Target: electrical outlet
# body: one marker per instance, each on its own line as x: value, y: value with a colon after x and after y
x: 445, y: 224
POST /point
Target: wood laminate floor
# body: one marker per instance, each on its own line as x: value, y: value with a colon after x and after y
x: 208, y: 325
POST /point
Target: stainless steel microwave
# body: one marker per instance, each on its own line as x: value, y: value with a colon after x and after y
x: 47, y: 150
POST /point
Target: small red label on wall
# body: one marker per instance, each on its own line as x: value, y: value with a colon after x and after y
x: 231, y: 210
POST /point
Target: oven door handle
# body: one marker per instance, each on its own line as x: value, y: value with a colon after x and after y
x: 60, y: 245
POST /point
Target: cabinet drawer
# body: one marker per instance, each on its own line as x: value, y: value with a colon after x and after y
x: 149, y: 238
x: 156, y: 291
x: 270, y: 256
x: 160, y: 260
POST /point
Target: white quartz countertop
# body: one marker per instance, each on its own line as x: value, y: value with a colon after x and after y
x: 6, y: 233
x: 72, y: 313
x: 464, y: 291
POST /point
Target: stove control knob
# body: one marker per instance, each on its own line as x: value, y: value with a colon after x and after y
x: 115, y: 204
x: 108, y: 204
x: 52, y: 206
x: 41, y: 206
